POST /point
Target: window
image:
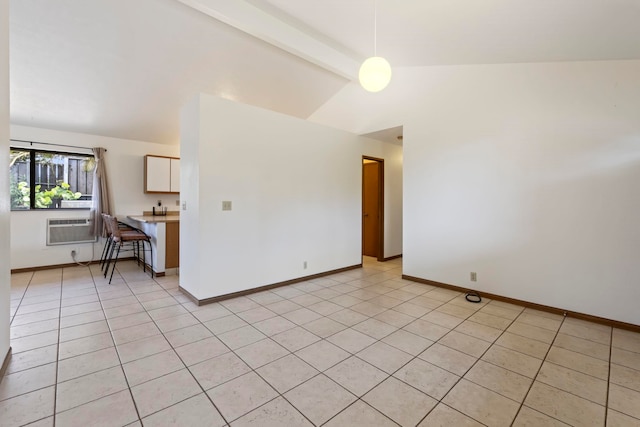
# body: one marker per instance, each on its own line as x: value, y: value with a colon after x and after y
x: 50, y: 180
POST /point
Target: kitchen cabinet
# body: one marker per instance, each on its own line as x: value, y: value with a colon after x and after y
x: 172, y: 245
x: 165, y: 239
x: 161, y: 174
x: 174, y: 186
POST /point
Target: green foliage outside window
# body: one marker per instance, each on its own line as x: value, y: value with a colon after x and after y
x: 44, y: 198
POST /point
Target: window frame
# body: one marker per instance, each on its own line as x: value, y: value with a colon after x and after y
x: 33, y: 152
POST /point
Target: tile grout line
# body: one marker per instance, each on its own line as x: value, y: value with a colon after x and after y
x: 525, y: 354
x: 492, y: 344
x: 21, y: 298
x: 438, y: 401
x: 56, y: 362
x: 173, y: 349
x: 358, y: 399
x: 55, y: 393
x: 254, y: 370
x: 606, y: 402
x: 471, y: 367
x: 135, y: 406
x: 325, y: 316
x: 176, y: 353
x: 577, y: 371
x: 375, y: 342
x: 406, y: 363
x: 179, y: 303
x: 59, y: 329
x: 100, y: 370
x: 538, y: 372
x: 573, y: 370
x: 90, y: 352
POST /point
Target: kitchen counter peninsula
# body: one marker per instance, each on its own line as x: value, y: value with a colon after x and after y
x: 154, y: 219
x: 164, y: 231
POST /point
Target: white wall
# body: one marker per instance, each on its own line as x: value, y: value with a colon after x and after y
x: 4, y: 180
x: 296, y: 193
x: 125, y: 170
x: 528, y: 174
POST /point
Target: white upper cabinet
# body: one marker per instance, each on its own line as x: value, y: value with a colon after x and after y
x: 161, y: 174
x: 175, y: 176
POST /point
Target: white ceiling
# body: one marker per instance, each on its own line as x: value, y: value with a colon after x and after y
x: 447, y: 32
x: 391, y: 135
x: 124, y: 68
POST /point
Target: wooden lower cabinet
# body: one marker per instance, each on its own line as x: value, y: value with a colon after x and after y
x: 172, y: 245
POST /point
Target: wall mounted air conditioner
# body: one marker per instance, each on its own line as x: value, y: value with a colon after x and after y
x: 69, y: 231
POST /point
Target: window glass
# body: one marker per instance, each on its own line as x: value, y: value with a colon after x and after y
x: 60, y: 180
x: 19, y: 179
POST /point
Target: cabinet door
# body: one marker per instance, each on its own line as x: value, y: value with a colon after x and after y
x: 172, y: 249
x: 175, y: 175
x: 157, y: 174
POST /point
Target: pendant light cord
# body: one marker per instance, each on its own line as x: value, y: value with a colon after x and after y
x: 375, y: 28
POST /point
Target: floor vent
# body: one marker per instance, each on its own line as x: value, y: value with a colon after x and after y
x: 69, y: 231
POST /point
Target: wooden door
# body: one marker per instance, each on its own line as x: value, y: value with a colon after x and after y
x: 370, y: 208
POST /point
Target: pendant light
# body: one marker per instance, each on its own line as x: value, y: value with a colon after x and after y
x: 375, y: 72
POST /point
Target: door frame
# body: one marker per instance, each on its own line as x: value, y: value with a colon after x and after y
x: 380, y: 206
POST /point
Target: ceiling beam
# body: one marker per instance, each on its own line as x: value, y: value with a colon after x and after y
x: 258, y: 23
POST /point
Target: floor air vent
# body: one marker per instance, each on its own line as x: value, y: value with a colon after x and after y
x: 68, y: 231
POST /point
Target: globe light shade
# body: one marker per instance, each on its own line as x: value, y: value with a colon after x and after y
x: 375, y: 74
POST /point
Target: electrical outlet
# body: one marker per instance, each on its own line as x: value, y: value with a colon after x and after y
x: 177, y: 202
x: 159, y: 203
x: 184, y: 206
x: 226, y: 205
x: 73, y: 253
x: 474, y: 276
x: 304, y: 265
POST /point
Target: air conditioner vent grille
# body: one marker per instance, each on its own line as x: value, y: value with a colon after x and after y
x: 82, y: 221
x: 69, y: 231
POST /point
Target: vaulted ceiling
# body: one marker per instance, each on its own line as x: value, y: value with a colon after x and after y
x: 124, y: 68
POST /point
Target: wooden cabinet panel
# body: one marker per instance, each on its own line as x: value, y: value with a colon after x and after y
x: 172, y: 254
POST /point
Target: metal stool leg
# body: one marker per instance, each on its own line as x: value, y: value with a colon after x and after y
x: 106, y: 270
x: 151, y: 255
x: 105, y: 252
x: 115, y: 262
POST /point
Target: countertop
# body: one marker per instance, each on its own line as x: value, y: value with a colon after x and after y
x: 154, y: 219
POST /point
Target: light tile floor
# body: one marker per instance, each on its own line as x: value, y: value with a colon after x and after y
x: 360, y: 348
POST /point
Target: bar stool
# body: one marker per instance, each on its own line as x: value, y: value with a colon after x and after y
x: 121, y: 237
x: 107, y: 245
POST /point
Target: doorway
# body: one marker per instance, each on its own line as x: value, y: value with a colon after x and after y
x: 373, y: 207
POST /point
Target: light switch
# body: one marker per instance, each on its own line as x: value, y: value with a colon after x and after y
x: 226, y: 205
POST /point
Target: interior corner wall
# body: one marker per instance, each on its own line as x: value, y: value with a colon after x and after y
x: 125, y: 171
x: 5, y: 255
x: 528, y: 175
x: 295, y: 189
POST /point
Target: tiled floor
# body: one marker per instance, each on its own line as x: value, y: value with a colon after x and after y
x: 361, y: 348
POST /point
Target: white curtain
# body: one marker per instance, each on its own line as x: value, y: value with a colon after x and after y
x: 100, y: 194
